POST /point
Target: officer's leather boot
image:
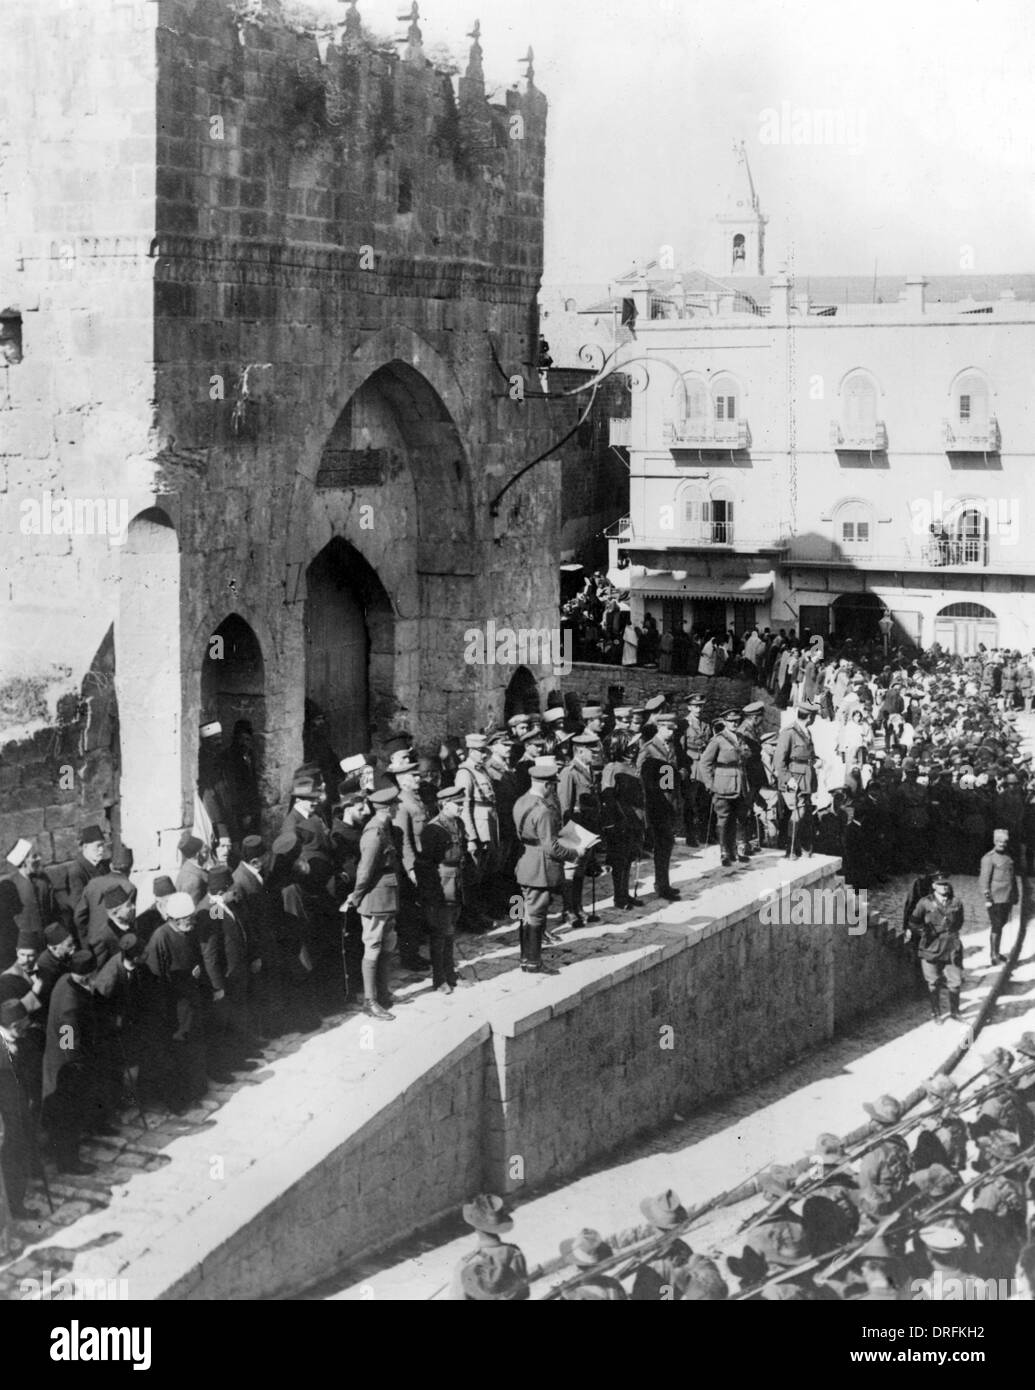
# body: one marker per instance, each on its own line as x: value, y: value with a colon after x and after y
x: 936, y: 1012
x: 954, y: 1003
x: 995, y: 956
x: 370, y: 1002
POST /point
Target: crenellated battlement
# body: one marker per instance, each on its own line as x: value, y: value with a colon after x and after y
x: 272, y: 131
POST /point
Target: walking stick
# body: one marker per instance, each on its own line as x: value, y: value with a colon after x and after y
x: 593, y: 898
x: 129, y: 1082
x: 35, y: 1132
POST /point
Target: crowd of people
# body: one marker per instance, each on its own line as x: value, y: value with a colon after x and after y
x: 934, y: 1205
x: 257, y: 934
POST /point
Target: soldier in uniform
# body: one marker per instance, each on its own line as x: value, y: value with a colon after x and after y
x: 540, y: 870
x: 552, y: 725
x: 481, y: 823
x: 411, y: 817
x: 594, y: 721
x: 696, y: 736
x: 794, y: 763
x: 578, y: 793
x: 621, y: 803
x: 724, y: 774
x: 502, y: 885
x: 443, y: 851
x: 622, y: 728
x: 376, y: 897
x: 939, y: 920
x: 663, y: 804
x: 496, y: 1271
x: 750, y: 734
x: 998, y: 883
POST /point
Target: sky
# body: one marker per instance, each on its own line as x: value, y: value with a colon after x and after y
x: 931, y: 166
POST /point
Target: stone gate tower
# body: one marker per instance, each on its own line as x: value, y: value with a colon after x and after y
x: 269, y: 281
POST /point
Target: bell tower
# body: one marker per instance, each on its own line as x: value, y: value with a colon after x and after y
x: 740, y: 227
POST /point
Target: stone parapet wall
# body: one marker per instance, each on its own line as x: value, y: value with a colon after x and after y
x: 537, y: 1079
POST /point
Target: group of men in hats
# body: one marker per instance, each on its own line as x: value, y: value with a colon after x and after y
x: 938, y: 1205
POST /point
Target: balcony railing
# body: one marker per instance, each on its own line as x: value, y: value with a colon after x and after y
x: 976, y: 437
x: 620, y: 530
x: 956, y: 553
x: 621, y: 433
x: 706, y: 434
x: 873, y: 436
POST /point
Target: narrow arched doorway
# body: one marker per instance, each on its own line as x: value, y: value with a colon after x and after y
x: 522, y: 694
x: 233, y: 677
x: 349, y: 650
x: 857, y: 616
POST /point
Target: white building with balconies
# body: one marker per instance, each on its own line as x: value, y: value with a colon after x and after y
x: 812, y: 455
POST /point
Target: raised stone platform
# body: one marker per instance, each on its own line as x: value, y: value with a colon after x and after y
x: 369, y: 1132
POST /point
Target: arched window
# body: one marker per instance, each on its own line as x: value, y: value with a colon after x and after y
x: 725, y: 399
x: 739, y: 248
x: 972, y: 536
x: 859, y: 406
x: 853, y: 527
x: 970, y: 403
x: 693, y: 508
x: 691, y: 401
x: 720, y: 514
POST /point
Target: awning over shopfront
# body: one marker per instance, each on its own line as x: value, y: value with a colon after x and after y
x: 752, y: 588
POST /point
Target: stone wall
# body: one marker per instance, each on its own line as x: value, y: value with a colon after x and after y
x: 699, y: 1002
x: 414, y: 1160
x: 639, y: 684
x: 722, y: 1004
x: 871, y: 967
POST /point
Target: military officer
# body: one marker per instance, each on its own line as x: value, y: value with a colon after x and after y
x: 695, y: 737
x: 411, y: 817
x: 750, y: 733
x: 794, y: 763
x: 622, y: 727
x: 594, y: 720
x: 443, y: 849
x: 505, y: 786
x: 578, y: 793
x: 997, y: 880
x: 552, y: 727
x: 657, y: 767
x: 724, y: 773
x: 939, y: 920
x: 481, y: 822
x: 540, y: 870
x: 376, y: 898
